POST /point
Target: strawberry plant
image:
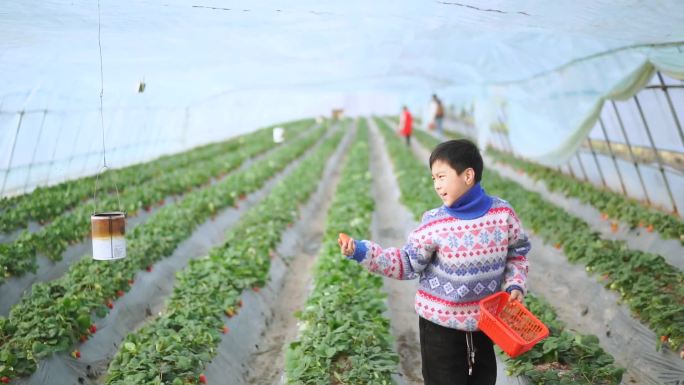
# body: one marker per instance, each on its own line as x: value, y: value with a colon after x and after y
x: 176, y: 346
x: 613, y: 204
x: 565, y: 357
x: 409, y: 174
x: 55, y: 314
x: 345, y: 337
x: 19, y: 257
x: 45, y: 203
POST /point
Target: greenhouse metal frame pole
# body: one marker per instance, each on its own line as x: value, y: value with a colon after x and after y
x: 598, y: 165
x: 629, y: 148
x: 612, y: 155
x: 579, y: 160
x: 508, y: 143
x: 672, y: 110
x: 54, y: 152
x: 14, y: 144
x: 659, y: 160
x: 66, y: 174
x: 572, y: 171
x: 500, y: 136
x: 35, y: 150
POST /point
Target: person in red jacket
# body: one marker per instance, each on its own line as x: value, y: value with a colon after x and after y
x: 406, y: 125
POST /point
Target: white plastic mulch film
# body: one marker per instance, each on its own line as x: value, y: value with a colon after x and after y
x: 213, y: 69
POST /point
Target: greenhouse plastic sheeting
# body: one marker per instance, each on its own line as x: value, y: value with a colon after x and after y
x: 213, y: 69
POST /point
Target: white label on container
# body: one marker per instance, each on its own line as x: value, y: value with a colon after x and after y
x: 106, y: 249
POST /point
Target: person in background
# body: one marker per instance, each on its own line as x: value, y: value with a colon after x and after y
x: 406, y: 125
x: 437, y: 115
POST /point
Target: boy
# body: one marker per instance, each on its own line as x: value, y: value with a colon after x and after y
x: 463, y: 251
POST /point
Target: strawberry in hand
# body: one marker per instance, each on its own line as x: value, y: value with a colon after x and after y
x: 346, y: 244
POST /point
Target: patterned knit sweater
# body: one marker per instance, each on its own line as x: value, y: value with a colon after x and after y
x: 457, y: 261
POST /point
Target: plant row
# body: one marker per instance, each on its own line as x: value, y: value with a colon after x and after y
x: 175, y: 347
x: 653, y: 289
x: 344, y: 336
x: 20, y: 256
x: 611, y: 204
x: 557, y: 352
x: 45, y: 203
x: 409, y: 173
x: 563, y: 358
x: 58, y: 313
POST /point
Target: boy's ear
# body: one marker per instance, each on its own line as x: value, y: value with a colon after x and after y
x: 469, y: 176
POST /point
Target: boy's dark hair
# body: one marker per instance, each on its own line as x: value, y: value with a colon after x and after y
x: 460, y: 154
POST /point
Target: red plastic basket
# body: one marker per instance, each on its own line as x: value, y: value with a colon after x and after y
x: 509, y: 324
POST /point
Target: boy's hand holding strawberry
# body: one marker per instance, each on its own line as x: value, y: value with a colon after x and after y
x: 516, y: 295
x: 346, y: 244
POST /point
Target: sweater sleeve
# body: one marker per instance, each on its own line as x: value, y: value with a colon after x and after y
x: 515, y: 273
x: 399, y: 263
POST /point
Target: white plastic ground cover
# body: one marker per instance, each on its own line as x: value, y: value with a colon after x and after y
x: 144, y: 301
x: 214, y: 69
x: 231, y: 366
x: 391, y: 224
x: 581, y: 301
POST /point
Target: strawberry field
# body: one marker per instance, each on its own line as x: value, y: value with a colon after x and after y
x: 233, y: 272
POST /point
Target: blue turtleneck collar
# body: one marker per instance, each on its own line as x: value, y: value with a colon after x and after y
x: 471, y: 205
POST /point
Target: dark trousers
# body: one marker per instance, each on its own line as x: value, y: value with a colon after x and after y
x: 444, y: 354
x: 408, y: 140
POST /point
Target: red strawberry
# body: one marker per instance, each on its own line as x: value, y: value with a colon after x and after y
x: 202, y: 379
x: 76, y: 354
x: 649, y: 228
x: 110, y: 304
x: 83, y: 338
x: 93, y: 328
x: 225, y: 329
x: 557, y: 245
x: 5, y: 380
x: 664, y: 339
x: 149, y: 268
x: 239, y: 303
x: 120, y: 293
x: 256, y: 289
x: 131, y: 282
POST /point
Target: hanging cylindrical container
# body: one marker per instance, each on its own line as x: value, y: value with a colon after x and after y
x: 108, y: 235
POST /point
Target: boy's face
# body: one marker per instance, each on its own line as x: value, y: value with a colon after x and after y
x: 448, y: 184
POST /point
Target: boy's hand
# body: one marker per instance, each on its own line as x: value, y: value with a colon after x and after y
x: 516, y: 295
x: 346, y: 244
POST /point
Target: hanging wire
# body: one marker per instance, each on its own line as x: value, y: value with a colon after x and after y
x: 104, y: 149
x: 99, y: 43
